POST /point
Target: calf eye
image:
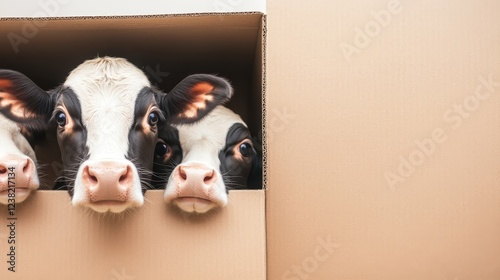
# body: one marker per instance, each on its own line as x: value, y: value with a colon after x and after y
x: 161, y: 149
x: 153, y: 118
x: 61, y: 119
x: 245, y: 149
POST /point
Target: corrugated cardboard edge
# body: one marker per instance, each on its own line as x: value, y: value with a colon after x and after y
x: 127, y: 16
x: 264, y: 131
x: 264, y: 105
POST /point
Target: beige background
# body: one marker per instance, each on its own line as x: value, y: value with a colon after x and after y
x: 350, y: 120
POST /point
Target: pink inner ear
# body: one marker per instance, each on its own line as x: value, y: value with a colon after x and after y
x: 201, y: 89
x: 5, y: 84
x: 8, y: 99
x: 201, y: 94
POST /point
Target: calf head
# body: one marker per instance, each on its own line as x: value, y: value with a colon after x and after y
x: 204, y: 160
x: 18, y: 174
x: 107, y: 116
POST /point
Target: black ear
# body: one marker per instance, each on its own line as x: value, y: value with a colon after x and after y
x: 194, y: 97
x: 22, y: 101
x: 255, y: 177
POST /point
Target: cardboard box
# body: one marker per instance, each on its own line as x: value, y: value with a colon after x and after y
x: 364, y: 85
x: 57, y: 241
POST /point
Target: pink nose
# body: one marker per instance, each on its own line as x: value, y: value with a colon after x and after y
x: 108, y: 181
x: 195, y: 181
x: 19, y: 170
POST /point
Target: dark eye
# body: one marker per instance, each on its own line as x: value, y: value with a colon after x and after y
x: 61, y: 119
x: 153, y: 118
x: 245, y: 149
x: 161, y: 149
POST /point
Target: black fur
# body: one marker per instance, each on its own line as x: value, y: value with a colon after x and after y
x: 73, y: 146
x: 240, y: 174
x: 139, y: 142
x: 37, y: 102
x: 164, y: 165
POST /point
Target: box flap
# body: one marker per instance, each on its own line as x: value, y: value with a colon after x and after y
x: 57, y: 241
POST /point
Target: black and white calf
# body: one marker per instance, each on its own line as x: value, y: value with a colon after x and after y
x: 18, y: 173
x: 202, y: 161
x: 107, y: 116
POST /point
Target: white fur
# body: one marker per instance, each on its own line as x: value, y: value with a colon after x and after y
x: 15, y: 146
x: 107, y: 89
x: 201, y: 143
x: 13, y: 142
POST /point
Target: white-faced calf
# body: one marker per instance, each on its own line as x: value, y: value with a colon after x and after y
x: 203, y: 160
x: 107, y: 116
x: 18, y: 174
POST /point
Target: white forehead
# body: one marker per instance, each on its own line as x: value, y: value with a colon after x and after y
x: 211, y: 130
x: 107, y: 89
x: 106, y: 77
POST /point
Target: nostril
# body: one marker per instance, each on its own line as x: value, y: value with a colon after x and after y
x: 91, y: 177
x: 108, y: 181
x: 125, y: 175
x: 209, y: 177
x: 27, y: 167
x: 182, y: 173
x: 3, y: 169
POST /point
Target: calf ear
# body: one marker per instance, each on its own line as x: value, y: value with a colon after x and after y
x: 22, y: 101
x: 194, y: 97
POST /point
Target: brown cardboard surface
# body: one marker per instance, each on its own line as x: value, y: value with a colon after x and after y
x: 338, y: 125
x: 57, y: 241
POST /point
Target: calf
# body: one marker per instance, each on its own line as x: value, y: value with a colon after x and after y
x: 18, y: 174
x: 202, y: 161
x: 107, y: 116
